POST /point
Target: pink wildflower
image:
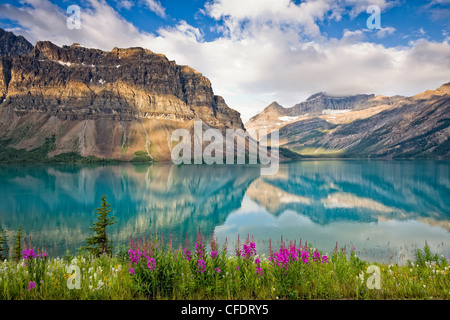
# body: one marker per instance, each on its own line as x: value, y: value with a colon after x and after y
x: 201, y: 265
x: 187, y: 254
x: 151, y: 264
x: 31, y: 285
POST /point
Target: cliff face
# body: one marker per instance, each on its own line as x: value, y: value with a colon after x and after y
x: 364, y: 125
x: 106, y: 104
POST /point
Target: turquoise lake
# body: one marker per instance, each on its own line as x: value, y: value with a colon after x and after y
x: 385, y: 209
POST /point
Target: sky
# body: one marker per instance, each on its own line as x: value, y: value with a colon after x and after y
x: 259, y: 51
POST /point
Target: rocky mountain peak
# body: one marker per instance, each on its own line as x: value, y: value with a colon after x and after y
x: 313, y: 105
x: 444, y: 89
x: 441, y: 91
x: 317, y: 95
x: 323, y: 101
x: 274, y: 106
x: 12, y: 45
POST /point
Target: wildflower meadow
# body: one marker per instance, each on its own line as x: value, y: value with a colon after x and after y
x: 152, y: 269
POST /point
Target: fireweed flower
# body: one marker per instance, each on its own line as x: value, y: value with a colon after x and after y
x: 282, y: 258
x: 151, y: 264
x: 131, y: 271
x: 249, y: 250
x: 199, y: 248
x: 259, y: 270
x: 187, y: 253
x: 213, y: 254
x: 134, y: 256
x: 293, y: 253
x: 316, y: 256
x: 31, y: 285
x: 217, y: 270
x: 304, y: 256
x: 201, y: 265
x: 28, y: 253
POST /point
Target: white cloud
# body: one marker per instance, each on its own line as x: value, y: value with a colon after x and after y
x: 255, y: 14
x: 183, y: 30
x: 446, y: 36
x: 268, y: 50
x: 359, y: 6
x: 355, y: 35
x: 101, y: 26
x: 156, y: 7
x: 125, y: 4
x: 383, y: 32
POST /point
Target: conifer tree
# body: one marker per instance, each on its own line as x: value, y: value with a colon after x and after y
x: 17, y: 251
x: 3, y: 244
x: 99, y: 243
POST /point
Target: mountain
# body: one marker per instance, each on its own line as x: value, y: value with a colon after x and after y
x: 73, y: 102
x: 275, y: 115
x: 363, y: 126
x: 12, y: 45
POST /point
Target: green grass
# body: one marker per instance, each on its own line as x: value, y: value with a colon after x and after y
x: 318, y: 152
x: 224, y: 276
x: 141, y: 156
x: 40, y: 155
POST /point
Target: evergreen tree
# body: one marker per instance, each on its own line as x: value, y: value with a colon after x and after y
x: 99, y: 243
x: 17, y: 251
x: 3, y: 244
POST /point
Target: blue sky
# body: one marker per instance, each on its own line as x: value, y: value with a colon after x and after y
x: 258, y: 51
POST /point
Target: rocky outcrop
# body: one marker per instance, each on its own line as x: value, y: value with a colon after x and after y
x: 105, y: 104
x: 364, y: 125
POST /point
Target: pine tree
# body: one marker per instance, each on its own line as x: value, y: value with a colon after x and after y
x: 17, y: 251
x: 99, y: 243
x: 3, y: 244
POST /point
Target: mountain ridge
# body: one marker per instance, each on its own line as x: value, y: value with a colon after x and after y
x: 106, y: 104
x: 364, y: 126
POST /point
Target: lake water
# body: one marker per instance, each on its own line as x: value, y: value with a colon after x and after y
x: 385, y: 209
